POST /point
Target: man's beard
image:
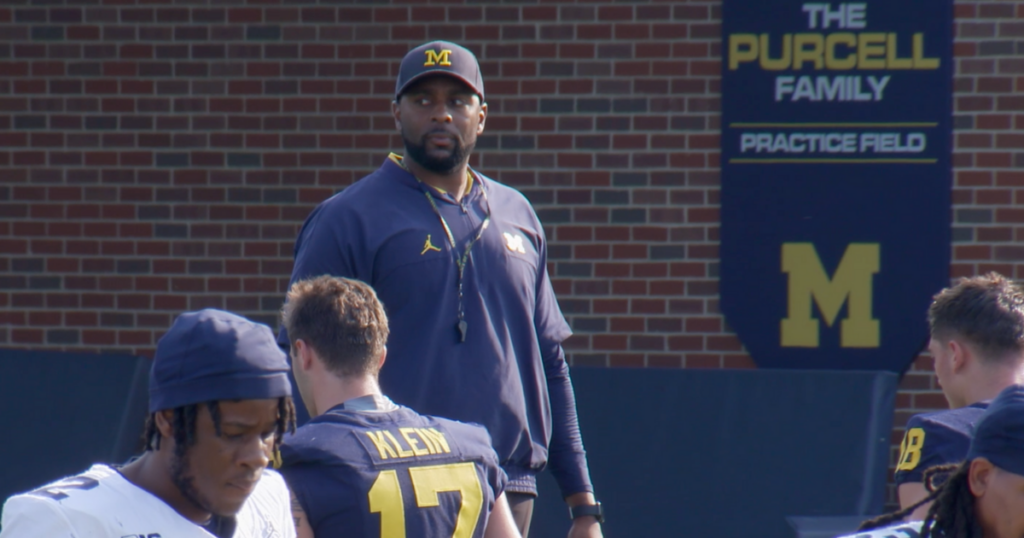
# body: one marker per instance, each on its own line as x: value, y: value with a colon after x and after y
x: 180, y: 478
x: 442, y: 165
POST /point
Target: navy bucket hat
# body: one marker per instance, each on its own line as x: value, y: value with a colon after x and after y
x: 213, y: 355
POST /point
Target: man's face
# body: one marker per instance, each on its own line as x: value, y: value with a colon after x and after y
x: 440, y: 118
x: 942, y: 355
x: 1000, y: 509
x: 218, y: 473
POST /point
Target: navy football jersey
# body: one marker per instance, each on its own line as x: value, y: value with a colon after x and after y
x: 936, y: 439
x: 392, y: 474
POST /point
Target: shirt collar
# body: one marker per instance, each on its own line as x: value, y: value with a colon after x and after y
x: 370, y: 402
x: 397, y: 159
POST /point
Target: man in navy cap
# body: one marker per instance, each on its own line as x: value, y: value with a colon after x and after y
x: 983, y: 497
x: 220, y: 402
x: 460, y: 263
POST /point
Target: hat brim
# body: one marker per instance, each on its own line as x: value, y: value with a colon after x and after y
x: 431, y: 72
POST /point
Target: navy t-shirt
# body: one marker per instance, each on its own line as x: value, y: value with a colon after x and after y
x: 937, y: 438
x: 510, y: 374
x: 392, y: 473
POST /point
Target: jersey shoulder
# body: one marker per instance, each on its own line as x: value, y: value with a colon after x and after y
x: 29, y: 515
x: 960, y: 421
x: 936, y: 438
x: 82, y: 504
x: 89, y: 489
x: 326, y: 439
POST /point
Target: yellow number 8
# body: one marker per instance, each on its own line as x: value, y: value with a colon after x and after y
x: 386, y: 496
x: 910, y: 449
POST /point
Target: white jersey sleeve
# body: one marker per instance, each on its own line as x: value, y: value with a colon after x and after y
x: 26, y: 516
x: 101, y: 503
x: 40, y: 514
x: 910, y: 529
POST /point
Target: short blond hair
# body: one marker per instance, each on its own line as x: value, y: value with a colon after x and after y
x: 986, y: 310
x: 341, y: 319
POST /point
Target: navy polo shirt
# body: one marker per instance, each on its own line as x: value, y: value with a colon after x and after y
x: 510, y: 374
x: 937, y: 438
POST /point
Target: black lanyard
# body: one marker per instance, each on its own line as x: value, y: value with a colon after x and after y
x: 460, y: 261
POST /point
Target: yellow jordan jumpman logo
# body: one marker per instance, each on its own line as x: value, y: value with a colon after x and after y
x: 428, y: 247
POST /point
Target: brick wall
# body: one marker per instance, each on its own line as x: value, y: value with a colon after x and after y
x: 157, y: 157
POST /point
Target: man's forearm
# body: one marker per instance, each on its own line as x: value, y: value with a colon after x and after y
x: 566, y: 457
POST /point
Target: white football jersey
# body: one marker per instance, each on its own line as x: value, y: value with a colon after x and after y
x: 101, y: 503
x: 910, y: 529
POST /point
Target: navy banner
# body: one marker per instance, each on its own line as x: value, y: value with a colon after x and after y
x: 836, y: 178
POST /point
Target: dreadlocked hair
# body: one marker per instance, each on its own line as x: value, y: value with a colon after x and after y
x: 183, y: 425
x: 935, y: 490
x: 952, y: 513
x: 285, y: 420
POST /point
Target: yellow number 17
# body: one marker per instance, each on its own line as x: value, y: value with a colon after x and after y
x: 386, y: 496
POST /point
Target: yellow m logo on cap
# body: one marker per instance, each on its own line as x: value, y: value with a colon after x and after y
x: 435, y: 58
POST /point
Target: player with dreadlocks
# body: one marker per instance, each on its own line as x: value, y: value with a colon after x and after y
x: 983, y: 497
x: 220, y: 403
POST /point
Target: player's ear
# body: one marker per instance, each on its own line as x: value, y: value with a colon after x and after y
x: 164, y: 418
x: 483, y: 119
x: 303, y: 355
x: 980, y: 475
x: 959, y: 355
x: 397, y: 113
x: 383, y: 357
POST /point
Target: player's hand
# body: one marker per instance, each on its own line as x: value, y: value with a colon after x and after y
x: 585, y: 527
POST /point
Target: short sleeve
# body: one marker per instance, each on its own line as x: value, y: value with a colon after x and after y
x: 927, y: 444
x: 25, y: 516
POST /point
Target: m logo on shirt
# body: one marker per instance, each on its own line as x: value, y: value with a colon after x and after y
x: 514, y: 242
x: 428, y: 246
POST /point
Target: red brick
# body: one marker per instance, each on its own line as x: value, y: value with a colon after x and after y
x: 74, y: 193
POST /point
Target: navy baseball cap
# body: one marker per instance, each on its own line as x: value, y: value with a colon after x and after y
x: 440, y: 57
x: 999, y: 433
x: 213, y: 355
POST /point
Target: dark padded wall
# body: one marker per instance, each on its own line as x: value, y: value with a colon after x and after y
x: 722, y: 453
x: 727, y: 453
x: 62, y: 412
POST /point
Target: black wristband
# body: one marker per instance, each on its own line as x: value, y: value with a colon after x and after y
x: 588, y: 510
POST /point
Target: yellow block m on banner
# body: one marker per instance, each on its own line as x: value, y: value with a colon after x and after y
x: 851, y: 285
